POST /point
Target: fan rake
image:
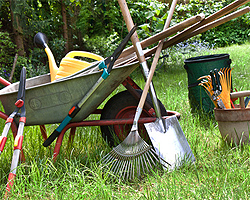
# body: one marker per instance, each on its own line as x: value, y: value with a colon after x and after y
x: 132, y: 157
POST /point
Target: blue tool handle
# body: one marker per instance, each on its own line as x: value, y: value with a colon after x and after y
x: 247, y: 99
x: 72, y: 113
x: 57, y: 132
x: 51, y: 138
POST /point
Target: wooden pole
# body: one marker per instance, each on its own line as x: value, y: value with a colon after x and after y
x: 13, y: 68
x: 164, y: 34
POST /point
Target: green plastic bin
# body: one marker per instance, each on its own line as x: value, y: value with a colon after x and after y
x: 201, y: 66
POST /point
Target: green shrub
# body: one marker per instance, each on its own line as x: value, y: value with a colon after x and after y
x: 235, y: 31
x: 7, y: 51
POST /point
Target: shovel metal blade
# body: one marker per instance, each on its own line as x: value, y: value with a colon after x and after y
x: 171, y: 146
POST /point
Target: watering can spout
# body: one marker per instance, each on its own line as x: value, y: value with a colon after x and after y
x: 41, y: 41
x: 52, y: 64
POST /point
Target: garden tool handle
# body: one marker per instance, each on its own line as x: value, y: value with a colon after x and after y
x: 241, y: 95
x: 129, y: 22
x: 139, y: 52
x: 213, y: 80
x: 156, y: 57
x: 219, y: 88
x: 21, y: 90
x: 71, y: 114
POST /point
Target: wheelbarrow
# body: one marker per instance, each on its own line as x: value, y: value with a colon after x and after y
x: 48, y: 102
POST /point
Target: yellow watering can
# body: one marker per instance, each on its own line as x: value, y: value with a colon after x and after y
x: 69, y: 64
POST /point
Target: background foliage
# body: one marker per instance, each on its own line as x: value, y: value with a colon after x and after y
x: 98, y: 26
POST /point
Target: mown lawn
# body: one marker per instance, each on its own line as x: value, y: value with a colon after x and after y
x: 220, y: 171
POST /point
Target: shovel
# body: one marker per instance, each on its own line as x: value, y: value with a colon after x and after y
x: 169, y: 142
x: 171, y: 146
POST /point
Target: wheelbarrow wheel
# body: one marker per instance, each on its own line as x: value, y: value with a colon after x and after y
x: 122, y: 106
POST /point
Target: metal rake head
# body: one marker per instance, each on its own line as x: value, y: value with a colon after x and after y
x: 131, y: 157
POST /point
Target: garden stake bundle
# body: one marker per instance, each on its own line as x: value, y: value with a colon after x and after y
x: 220, y: 17
x: 218, y: 87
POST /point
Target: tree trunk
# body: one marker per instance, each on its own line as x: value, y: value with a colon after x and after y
x: 65, y: 26
x: 17, y: 31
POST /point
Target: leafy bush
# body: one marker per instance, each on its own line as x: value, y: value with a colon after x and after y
x: 235, y: 31
x: 101, y: 45
x: 7, y: 51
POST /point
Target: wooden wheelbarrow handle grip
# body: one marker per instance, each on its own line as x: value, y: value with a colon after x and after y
x: 240, y: 95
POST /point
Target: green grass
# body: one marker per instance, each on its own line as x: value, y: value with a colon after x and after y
x: 220, y: 171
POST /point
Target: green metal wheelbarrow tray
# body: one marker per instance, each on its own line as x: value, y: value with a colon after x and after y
x: 49, y: 102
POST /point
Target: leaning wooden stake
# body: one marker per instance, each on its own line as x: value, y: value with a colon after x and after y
x: 13, y: 68
x: 172, y: 41
x: 164, y: 34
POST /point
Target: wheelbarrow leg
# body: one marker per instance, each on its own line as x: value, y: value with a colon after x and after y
x: 44, y: 132
x: 60, y: 139
x: 58, y: 144
x: 72, y: 135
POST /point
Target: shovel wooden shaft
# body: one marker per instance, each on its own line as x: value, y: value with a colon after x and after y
x: 129, y: 22
x: 140, y: 55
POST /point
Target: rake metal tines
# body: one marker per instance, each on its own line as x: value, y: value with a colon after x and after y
x: 131, y: 157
